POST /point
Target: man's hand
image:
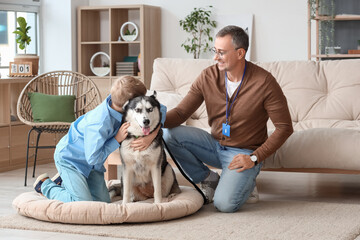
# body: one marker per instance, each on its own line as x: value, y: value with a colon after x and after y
x: 142, y: 143
x: 122, y: 133
x: 241, y: 162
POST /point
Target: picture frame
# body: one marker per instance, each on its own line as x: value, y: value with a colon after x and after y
x: 20, y: 69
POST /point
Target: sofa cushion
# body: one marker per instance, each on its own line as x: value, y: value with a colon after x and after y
x: 170, y: 100
x: 324, y: 92
x: 175, y: 76
x: 318, y: 148
x: 198, y: 119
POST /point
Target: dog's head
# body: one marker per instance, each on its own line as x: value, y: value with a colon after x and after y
x: 143, y: 114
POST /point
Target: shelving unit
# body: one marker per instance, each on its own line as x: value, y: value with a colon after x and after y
x: 338, y: 18
x: 13, y: 133
x: 99, y: 30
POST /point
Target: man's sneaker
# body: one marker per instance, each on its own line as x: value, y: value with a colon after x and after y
x: 39, y: 181
x: 254, y: 196
x: 57, y: 179
x: 209, y: 185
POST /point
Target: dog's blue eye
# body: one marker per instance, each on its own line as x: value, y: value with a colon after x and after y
x: 138, y: 110
x: 149, y: 109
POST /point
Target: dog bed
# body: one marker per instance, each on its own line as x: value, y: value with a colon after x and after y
x: 34, y: 205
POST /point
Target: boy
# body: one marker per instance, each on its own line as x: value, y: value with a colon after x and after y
x: 81, y: 153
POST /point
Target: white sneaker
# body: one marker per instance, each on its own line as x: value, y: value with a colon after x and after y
x: 254, y: 196
x: 39, y: 181
x: 57, y: 179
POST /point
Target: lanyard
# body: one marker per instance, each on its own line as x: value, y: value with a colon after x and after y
x: 228, y: 111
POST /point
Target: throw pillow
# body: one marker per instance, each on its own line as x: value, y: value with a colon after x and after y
x: 52, y: 108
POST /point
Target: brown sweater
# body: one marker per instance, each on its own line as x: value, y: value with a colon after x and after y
x: 260, y: 97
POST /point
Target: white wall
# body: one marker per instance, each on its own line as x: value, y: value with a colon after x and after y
x: 56, y: 40
x: 58, y: 34
x: 279, y: 27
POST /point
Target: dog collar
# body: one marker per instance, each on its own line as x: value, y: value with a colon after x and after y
x: 130, y: 135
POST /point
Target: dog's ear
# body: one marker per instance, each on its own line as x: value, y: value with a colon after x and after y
x: 125, y: 104
x: 154, y: 94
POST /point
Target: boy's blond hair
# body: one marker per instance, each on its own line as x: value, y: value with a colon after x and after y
x: 126, y: 88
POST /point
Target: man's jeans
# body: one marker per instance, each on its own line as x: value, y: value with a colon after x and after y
x: 192, y: 147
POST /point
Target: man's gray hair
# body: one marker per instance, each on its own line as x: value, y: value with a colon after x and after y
x: 239, y: 36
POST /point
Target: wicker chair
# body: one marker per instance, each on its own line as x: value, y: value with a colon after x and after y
x: 56, y: 83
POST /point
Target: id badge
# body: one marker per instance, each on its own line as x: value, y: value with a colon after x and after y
x: 226, y: 129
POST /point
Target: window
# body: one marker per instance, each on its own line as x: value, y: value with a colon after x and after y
x: 8, y: 46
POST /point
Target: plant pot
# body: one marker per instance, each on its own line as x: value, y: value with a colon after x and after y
x: 101, y: 71
x: 33, y: 58
x: 333, y: 50
x: 129, y: 38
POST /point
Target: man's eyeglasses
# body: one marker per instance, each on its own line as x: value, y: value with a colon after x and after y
x: 221, y: 53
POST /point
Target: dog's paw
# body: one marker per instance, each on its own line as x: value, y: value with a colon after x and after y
x: 116, y: 189
x: 112, y: 194
x: 172, y: 195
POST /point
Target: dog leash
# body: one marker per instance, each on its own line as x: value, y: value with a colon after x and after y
x: 183, y: 172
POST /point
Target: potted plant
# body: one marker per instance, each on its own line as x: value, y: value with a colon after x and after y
x: 23, y: 39
x: 128, y: 35
x: 199, y: 25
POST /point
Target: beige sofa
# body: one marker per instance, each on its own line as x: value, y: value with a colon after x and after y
x: 324, y: 103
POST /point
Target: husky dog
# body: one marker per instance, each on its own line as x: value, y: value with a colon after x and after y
x: 146, y: 174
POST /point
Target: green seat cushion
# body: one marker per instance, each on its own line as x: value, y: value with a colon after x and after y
x: 52, y: 108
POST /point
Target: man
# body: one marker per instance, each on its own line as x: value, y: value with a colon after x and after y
x: 240, y: 97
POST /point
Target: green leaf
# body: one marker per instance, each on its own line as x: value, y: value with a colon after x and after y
x: 199, y: 26
x: 22, y: 22
x: 22, y: 37
x: 18, y: 32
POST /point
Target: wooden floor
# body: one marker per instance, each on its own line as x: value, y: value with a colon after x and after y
x: 271, y: 185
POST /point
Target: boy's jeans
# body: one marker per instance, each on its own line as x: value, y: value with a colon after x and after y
x: 192, y: 147
x: 76, y: 187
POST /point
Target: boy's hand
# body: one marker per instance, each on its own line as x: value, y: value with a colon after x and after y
x: 142, y: 143
x: 122, y: 133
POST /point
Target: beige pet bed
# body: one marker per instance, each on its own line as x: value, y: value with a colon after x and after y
x: 34, y: 205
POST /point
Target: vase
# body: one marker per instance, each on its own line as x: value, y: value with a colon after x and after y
x: 129, y: 38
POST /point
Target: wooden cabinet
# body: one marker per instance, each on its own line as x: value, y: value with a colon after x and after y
x: 13, y: 133
x: 337, y: 24
x: 99, y: 31
x: 4, y: 147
